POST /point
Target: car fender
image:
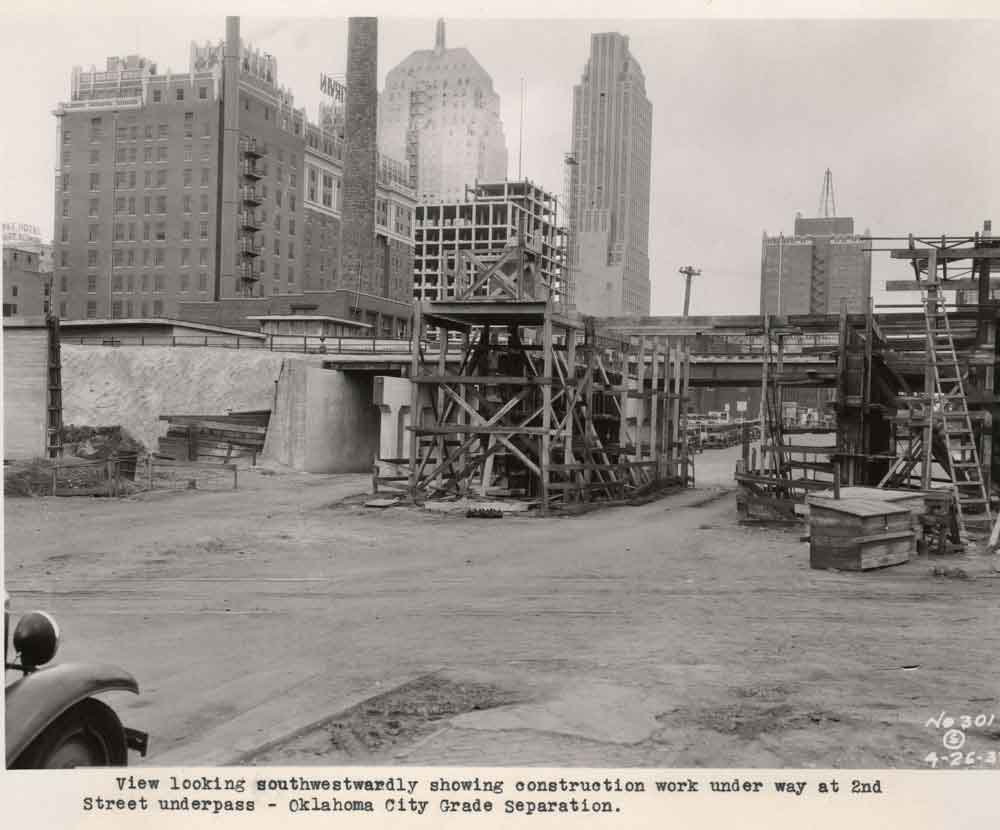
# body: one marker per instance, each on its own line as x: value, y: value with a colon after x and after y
x: 35, y: 700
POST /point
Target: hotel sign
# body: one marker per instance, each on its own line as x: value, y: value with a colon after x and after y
x: 21, y: 232
x: 334, y: 89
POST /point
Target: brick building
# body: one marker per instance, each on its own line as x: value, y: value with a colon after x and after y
x: 810, y: 272
x: 27, y: 281
x: 206, y: 185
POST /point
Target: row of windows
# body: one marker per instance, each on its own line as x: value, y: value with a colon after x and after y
x: 125, y: 310
x: 130, y: 155
x: 144, y: 283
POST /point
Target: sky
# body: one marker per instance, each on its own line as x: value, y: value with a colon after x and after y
x: 747, y: 116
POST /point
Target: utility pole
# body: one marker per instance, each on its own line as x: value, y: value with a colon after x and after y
x: 688, y: 271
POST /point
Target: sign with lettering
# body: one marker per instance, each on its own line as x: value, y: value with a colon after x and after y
x: 334, y: 89
x: 21, y: 232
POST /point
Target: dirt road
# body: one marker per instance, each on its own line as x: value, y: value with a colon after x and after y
x: 661, y: 635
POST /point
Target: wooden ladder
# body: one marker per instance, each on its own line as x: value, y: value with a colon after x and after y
x: 951, y: 408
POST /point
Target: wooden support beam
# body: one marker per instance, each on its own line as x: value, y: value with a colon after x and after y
x: 959, y: 284
x: 943, y: 254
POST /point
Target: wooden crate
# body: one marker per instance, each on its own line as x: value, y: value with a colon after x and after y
x: 859, y: 534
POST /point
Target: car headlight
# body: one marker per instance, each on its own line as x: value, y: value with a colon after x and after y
x: 36, y: 639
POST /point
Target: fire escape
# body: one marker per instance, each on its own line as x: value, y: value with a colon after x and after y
x: 249, y: 248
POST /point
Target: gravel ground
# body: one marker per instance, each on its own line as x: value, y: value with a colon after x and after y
x: 286, y: 623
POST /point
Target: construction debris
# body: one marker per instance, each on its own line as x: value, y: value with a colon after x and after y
x: 215, y: 439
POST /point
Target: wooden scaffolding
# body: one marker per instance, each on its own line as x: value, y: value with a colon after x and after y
x: 541, y: 406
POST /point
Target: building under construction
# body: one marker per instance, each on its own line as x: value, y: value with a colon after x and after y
x: 540, y: 407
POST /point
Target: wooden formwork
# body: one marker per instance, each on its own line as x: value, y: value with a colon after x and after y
x: 541, y: 407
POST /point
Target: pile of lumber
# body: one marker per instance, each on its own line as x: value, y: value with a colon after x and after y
x: 214, y: 439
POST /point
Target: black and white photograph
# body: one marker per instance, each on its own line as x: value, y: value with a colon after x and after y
x: 431, y: 390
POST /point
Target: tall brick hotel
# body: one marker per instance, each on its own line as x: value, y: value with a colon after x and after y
x: 176, y: 191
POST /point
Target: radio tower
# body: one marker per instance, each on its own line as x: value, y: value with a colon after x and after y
x: 827, y: 203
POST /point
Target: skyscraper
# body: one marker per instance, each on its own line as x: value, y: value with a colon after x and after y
x: 439, y: 113
x: 609, y: 182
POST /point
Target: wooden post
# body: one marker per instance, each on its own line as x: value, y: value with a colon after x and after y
x: 235, y: 483
x: 55, y: 478
x: 544, y: 460
x: 640, y: 409
x: 149, y: 472
x: 415, y: 395
x: 572, y: 392
x: 442, y: 364
x: 929, y: 376
x: 654, y: 411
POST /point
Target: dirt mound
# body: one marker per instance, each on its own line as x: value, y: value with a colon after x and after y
x: 133, y: 386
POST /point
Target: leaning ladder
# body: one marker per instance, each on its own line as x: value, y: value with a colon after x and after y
x: 949, y: 394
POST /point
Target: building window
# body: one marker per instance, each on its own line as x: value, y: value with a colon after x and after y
x: 64, y: 259
x: 158, y: 256
x: 203, y: 230
x: 66, y: 136
x: 291, y: 226
x: 91, y: 309
x: 291, y: 250
x: 161, y: 232
x: 116, y: 309
x: 187, y: 203
x: 180, y: 93
x: 188, y: 125
x: 161, y: 153
x: 92, y: 232
x: 116, y: 282
x: 186, y: 233
x: 66, y: 158
x: 206, y: 152
x: 62, y: 309
x: 203, y: 281
x: 204, y: 203
x: 119, y: 205
x: 95, y: 181
x: 185, y: 281
x: 185, y: 257
x: 119, y: 234
x: 203, y: 92
x: 157, y: 308
x: 65, y: 207
x: 63, y: 284
x: 161, y: 131
x: 205, y: 173
x: 187, y: 177
x: 161, y: 178
x: 143, y: 309
x: 291, y: 274
x: 277, y: 197
x: 157, y: 96
x: 161, y: 204
x: 131, y: 205
x: 203, y: 256
x: 95, y: 156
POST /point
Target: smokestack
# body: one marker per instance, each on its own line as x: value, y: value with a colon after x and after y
x: 439, y: 37
x: 357, y: 224
x: 225, y: 250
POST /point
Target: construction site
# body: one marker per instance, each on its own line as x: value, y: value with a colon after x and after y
x: 500, y: 531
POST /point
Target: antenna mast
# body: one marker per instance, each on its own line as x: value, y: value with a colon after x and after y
x: 827, y: 203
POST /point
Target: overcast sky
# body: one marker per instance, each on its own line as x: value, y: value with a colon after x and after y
x: 747, y: 116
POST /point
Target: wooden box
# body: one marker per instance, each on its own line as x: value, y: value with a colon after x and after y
x: 859, y: 534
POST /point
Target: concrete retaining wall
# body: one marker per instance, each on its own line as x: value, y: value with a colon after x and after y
x: 323, y: 421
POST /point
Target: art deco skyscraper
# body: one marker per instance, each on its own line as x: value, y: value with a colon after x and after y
x: 440, y: 113
x: 609, y: 182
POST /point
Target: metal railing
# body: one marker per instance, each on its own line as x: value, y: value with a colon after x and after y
x: 303, y: 344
